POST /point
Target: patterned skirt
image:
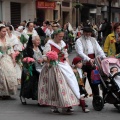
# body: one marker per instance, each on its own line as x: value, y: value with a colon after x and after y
x: 53, y: 89
x: 8, y: 78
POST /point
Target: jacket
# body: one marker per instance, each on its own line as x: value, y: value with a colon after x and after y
x: 109, y: 45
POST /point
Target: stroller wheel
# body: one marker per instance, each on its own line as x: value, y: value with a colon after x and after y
x: 98, y: 103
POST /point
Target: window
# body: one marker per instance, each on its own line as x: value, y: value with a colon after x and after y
x: 66, y: 4
x: 55, y: 16
x: 15, y: 13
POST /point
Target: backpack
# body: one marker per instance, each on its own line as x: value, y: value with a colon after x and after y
x: 95, y: 77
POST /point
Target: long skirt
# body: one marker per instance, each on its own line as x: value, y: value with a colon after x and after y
x: 29, y: 87
x: 53, y: 89
x: 8, y: 78
x: 18, y: 71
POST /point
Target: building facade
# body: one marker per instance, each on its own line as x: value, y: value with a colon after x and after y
x: 96, y: 10
x: 15, y: 11
x: 55, y: 10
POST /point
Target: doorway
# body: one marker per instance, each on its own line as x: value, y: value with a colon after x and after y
x: 40, y: 16
x: 65, y: 17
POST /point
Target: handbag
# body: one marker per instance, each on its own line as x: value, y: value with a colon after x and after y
x: 95, y: 77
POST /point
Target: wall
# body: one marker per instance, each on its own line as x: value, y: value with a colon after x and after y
x: 0, y: 10
x: 28, y: 9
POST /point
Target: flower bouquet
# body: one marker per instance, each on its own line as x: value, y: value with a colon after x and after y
x: 27, y: 63
x: 18, y: 55
x: 52, y: 57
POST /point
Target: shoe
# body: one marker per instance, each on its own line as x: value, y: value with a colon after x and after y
x: 23, y: 101
x: 55, y: 110
x: 5, y: 97
x: 82, y: 104
x: 67, y: 111
x: 72, y: 110
x: 86, y: 110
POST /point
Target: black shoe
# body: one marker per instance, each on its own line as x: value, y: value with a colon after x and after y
x: 55, y: 110
x: 67, y: 111
x: 23, y: 101
x: 71, y: 109
x: 5, y: 97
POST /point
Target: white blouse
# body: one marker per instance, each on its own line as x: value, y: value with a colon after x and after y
x: 80, y: 50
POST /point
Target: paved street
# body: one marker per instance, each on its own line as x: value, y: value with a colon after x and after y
x: 14, y: 110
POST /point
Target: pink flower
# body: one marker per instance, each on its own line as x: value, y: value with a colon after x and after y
x: 16, y: 54
x: 63, y: 92
x: 25, y: 60
x: 23, y: 47
x: 28, y: 60
x: 52, y: 55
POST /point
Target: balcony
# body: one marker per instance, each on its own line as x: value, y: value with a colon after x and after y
x: 93, y: 2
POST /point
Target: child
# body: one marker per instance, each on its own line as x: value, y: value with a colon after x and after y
x: 77, y: 62
x: 114, y: 70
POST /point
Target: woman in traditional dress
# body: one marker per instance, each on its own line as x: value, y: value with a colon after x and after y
x: 29, y: 88
x: 57, y: 85
x: 15, y: 43
x: 27, y: 32
x: 8, y: 78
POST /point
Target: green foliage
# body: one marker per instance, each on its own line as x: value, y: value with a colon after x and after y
x: 23, y: 40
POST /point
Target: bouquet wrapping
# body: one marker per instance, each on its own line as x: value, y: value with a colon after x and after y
x: 28, y: 65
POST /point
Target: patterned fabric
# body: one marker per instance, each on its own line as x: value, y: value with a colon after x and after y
x: 55, y: 87
x: 80, y: 80
x: 54, y: 90
x: 8, y: 78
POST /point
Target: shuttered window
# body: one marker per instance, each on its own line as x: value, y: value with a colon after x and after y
x: 15, y: 13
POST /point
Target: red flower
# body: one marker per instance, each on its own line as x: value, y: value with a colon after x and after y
x: 42, y: 90
x: 28, y: 60
x: 60, y: 81
x: 41, y: 101
x: 52, y: 55
x: 112, y: 41
x: 63, y: 92
x: 72, y: 97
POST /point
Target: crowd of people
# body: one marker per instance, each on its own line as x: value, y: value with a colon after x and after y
x: 36, y: 57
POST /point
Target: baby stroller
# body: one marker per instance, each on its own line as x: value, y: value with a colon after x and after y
x: 110, y: 88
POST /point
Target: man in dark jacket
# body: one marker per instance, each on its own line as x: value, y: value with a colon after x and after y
x: 105, y: 29
x: 41, y: 33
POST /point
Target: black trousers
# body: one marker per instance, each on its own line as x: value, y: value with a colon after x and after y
x: 95, y: 88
